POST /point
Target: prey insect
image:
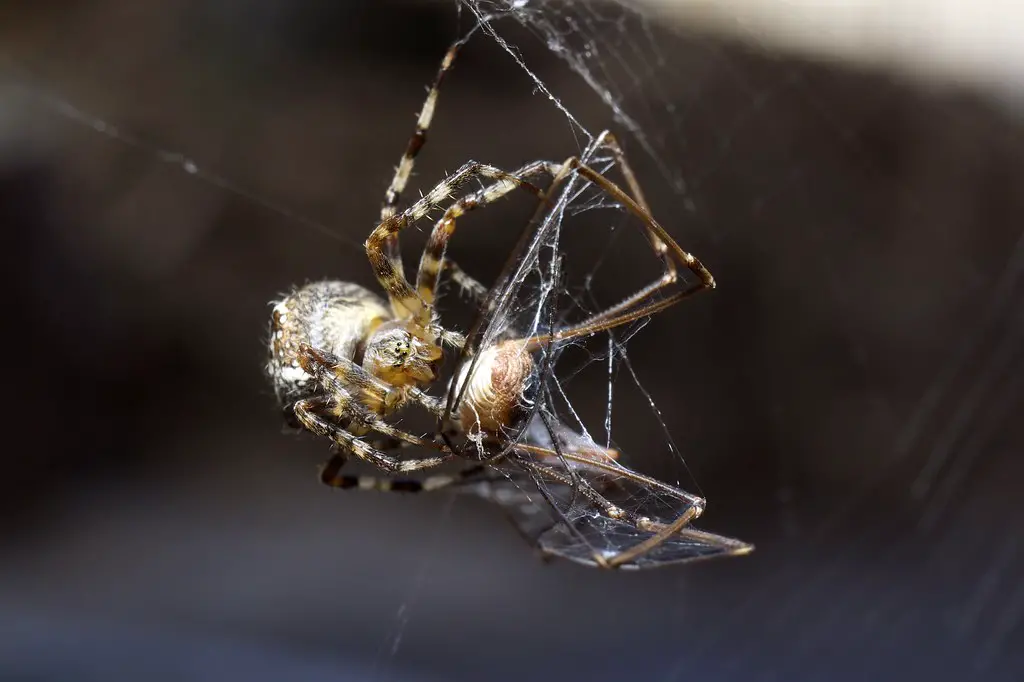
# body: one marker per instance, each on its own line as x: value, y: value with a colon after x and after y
x: 343, y: 362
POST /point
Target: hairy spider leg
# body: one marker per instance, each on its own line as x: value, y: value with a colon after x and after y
x: 412, y: 149
x: 318, y: 415
x: 666, y: 248
x: 353, y: 395
x: 404, y: 299
x: 433, y: 260
x: 338, y: 375
x: 434, y: 253
x: 630, y: 309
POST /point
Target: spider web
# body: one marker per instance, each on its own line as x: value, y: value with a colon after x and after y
x: 650, y: 89
x: 613, y: 50
x: 541, y: 296
x: 653, y: 97
x: 527, y: 301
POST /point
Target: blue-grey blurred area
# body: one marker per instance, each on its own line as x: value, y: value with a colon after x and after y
x: 849, y: 399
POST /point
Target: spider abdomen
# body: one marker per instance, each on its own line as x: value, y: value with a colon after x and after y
x: 495, y: 395
x: 332, y: 316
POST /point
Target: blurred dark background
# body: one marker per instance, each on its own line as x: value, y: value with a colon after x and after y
x: 848, y: 399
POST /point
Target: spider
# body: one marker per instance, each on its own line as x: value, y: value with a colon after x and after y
x: 343, y: 360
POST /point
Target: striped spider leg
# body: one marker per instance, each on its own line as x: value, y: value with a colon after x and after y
x: 342, y: 359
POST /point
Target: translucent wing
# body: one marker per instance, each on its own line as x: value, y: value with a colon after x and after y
x: 607, y: 538
x: 561, y: 521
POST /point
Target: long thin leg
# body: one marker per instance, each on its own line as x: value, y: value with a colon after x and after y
x: 385, y: 442
x: 388, y: 443
x: 607, y: 467
x: 412, y: 149
x: 630, y: 309
x: 330, y: 475
x: 404, y: 299
x: 610, y: 510
x: 607, y: 140
x: 667, y: 250
x: 434, y: 253
x: 407, y: 301
x: 313, y: 414
x: 661, y: 249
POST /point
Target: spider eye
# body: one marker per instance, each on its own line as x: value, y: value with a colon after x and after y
x: 401, y: 352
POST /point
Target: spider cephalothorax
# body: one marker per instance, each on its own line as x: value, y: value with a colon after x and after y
x: 403, y: 354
